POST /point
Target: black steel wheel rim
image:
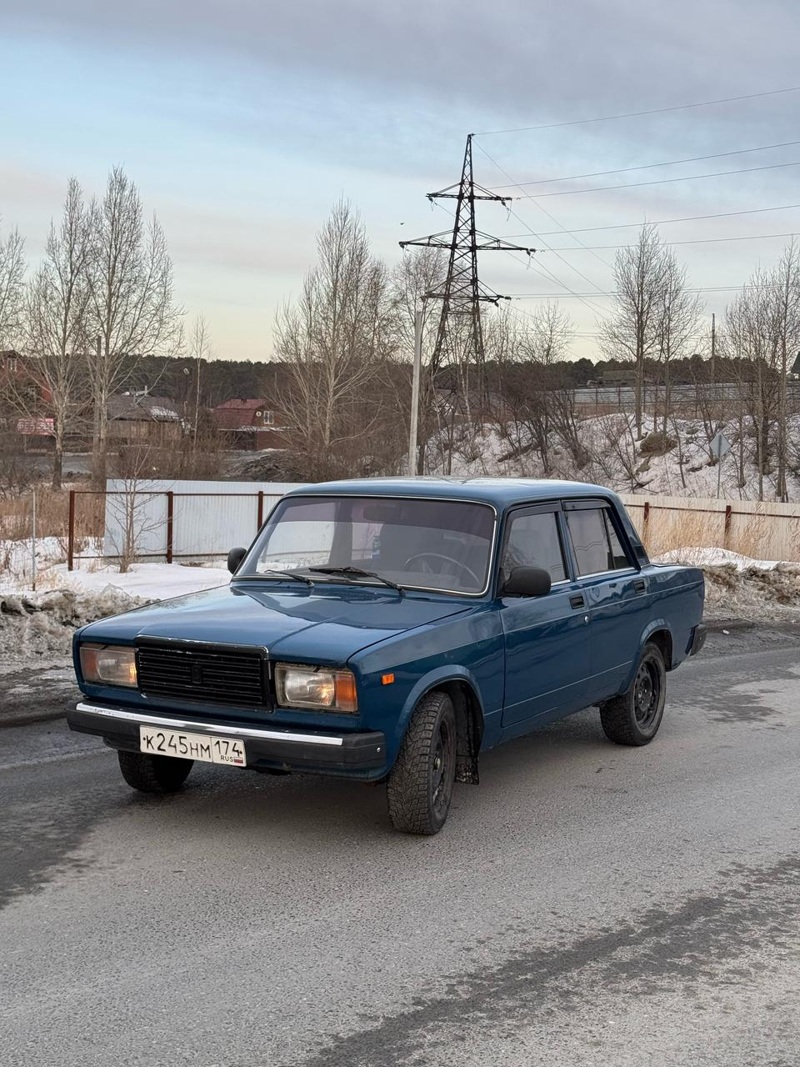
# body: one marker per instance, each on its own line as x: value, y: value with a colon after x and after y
x: 646, y: 693
x: 442, y: 767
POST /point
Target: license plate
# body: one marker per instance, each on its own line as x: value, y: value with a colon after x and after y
x: 158, y: 742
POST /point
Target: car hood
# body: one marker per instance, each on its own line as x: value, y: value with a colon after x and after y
x: 328, y: 624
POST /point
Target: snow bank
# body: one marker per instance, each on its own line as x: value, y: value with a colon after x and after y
x: 716, y: 557
x: 41, y: 623
x: 738, y: 586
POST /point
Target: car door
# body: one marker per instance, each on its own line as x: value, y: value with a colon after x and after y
x: 546, y: 638
x: 615, y: 591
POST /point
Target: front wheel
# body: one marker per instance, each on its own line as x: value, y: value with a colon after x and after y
x: 634, y: 717
x: 420, y: 785
x: 153, y: 774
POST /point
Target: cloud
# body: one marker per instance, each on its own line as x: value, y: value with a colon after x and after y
x: 512, y: 56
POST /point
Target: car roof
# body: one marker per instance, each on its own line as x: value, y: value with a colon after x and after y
x: 500, y: 492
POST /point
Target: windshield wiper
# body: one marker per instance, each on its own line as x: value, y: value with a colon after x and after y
x: 292, y: 575
x: 357, y: 572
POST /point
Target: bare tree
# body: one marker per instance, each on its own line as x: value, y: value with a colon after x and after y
x: 132, y: 522
x: 55, y: 318
x: 131, y: 310
x: 634, y: 329
x: 537, y: 400
x: 335, y: 341
x: 12, y: 287
x: 678, y: 328
x: 752, y: 336
x: 199, y: 353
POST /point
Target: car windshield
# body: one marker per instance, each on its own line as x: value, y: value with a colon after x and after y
x: 420, y: 544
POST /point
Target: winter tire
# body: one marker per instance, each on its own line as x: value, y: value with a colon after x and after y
x: 420, y: 785
x: 633, y: 718
x: 153, y: 774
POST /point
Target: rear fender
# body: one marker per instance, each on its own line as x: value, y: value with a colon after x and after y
x: 653, y: 626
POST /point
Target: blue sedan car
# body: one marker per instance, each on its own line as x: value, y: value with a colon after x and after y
x: 392, y: 630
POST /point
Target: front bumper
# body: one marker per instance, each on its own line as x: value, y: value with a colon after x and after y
x: 266, y: 748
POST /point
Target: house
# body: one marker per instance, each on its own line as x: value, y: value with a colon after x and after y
x: 19, y: 379
x: 248, y: 424
x: 136, y: 418
x: 25, y: 404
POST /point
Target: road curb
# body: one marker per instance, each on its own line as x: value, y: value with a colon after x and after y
x: 28, y: 718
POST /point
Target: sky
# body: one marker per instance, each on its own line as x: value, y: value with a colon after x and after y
x: 243, y: 121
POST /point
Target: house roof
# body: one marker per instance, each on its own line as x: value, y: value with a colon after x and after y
x: 129, y: 408
x: 242, y: 404
x: 240, y: 413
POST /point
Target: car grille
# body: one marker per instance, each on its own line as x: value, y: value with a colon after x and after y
x: 216, y: 674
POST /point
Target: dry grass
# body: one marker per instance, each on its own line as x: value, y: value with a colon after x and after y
x: 751, y: 536
x: 757, y: 535
x: 52, y: 515
x: 668, y: 530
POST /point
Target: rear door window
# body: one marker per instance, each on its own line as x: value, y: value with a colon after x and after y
x: 595, y: 541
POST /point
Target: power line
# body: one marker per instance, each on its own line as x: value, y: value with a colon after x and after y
x: 543, y: 271
x: 649, y: 166
x: 502, y: 170
x: 665, y: 222
x: 671, y: 244
x: 657, y: 181
x: 697, y: 289
x: 638, y: 114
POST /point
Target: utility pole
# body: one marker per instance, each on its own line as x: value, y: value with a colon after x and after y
x: 196, y: 404
x: 419, y: 315
x: 713, y: 348
x: 461, y: 292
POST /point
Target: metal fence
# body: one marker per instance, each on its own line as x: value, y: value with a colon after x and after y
x: 759, y: 529
x: 174, y: 523
x: 165, y: 521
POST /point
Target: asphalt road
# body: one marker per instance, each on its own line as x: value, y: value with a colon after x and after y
x: 586, y: 905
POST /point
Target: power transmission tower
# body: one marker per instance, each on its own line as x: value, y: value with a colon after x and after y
x: 459, y: 338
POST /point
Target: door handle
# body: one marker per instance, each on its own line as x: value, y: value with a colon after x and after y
x: 640, y: 585
x: 577, y: 601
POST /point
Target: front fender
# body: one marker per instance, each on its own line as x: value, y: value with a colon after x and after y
x: 447, y: 673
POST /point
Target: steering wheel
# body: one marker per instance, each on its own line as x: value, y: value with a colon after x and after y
x: 445, y: 559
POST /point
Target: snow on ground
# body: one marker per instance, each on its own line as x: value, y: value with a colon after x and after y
x: 615, y: 457
x: 150, y: 581
x: 716, y: 557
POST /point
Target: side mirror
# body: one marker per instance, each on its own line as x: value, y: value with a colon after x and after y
x: 235, y: 557
x: 527, y: 581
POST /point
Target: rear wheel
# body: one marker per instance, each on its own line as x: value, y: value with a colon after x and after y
x: 153, y: 774
x: 420, y: 785
x: 634, y: 717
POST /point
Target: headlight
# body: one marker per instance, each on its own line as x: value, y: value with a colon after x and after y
x: 108, y: 665
x: 315, y: 687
